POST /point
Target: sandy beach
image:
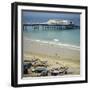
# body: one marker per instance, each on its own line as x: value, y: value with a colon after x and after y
x: 55, y: 55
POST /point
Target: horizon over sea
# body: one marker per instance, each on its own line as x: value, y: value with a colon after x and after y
x: 69, y: 37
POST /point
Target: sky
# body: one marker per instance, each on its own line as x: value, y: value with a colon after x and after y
x: 36, y: 16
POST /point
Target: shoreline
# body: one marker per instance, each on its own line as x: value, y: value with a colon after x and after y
x: 54, y: 42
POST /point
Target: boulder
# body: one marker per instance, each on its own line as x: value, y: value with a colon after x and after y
x: 58, y: 71
x: 44, y: 73
x: 25, y: 71
x: 26, y: 66
x: 55, y: 72
x: 40, y: 69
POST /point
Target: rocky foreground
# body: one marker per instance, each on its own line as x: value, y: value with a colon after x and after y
x: 37, y: 68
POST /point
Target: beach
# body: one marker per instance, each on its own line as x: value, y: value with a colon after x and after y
x: 50, y: 44
x: 56, y: 55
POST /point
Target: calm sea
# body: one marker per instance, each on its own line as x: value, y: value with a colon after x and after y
x: 61, y: 37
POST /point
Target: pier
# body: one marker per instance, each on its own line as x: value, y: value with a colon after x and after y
x: 50, y: 25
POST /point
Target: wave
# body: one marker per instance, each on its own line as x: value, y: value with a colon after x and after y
x: 56, y: 42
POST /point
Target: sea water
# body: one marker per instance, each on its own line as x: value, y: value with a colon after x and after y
x: 69, y: 37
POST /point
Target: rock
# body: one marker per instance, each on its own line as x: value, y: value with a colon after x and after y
x: 44, y: 73
x: 59, y: 71
x: 63, y: 70
x: 40, y: 69
x: 26, y: 60
x: 26, y: 66
x: 33, y: 70
x: 44, y: 62
x: 25, y: 71
x: 66, y: 72
x: 54, y: 72
x: 39, y: 63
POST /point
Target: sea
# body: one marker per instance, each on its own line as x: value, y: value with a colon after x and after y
x: 67, y: 37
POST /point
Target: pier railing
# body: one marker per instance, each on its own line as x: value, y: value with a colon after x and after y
x: 48, y: 27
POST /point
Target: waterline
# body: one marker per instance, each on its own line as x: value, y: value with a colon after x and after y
x: 55, y: 43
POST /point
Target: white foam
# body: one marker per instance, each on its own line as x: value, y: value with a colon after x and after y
x: 37, y: 40
x: 56, y: 40
x: 74, y: 47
